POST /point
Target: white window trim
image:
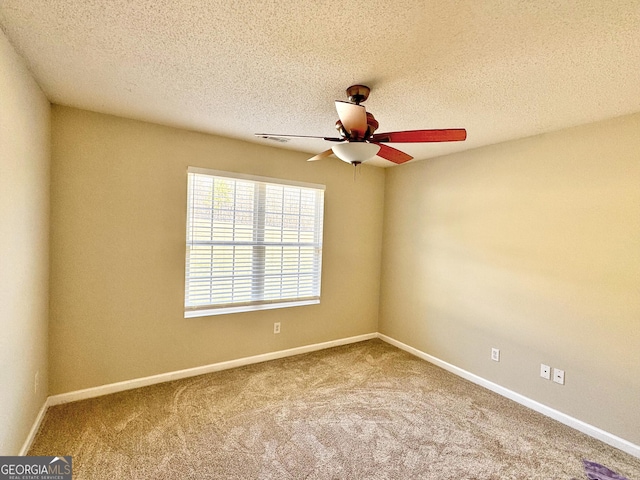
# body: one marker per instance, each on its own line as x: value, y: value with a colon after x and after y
x: 209, y: 312
x: 194, y: 312
x: 255, y: 178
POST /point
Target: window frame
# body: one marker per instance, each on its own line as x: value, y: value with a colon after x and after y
x: 258, y: 243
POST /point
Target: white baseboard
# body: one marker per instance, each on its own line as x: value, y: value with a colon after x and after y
x: 579, y: 425
x: 192, y: 372
x: 568, y: 420
x: 34, y: 429
x: 170, y: 376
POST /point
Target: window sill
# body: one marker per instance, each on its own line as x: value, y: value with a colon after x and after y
x: 246, y: 308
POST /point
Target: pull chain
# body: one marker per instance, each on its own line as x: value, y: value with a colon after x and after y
x: 355, y: 169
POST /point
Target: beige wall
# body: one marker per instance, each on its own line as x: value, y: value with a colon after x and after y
x: 24, y: 248
x: 533, y: 247
x: 118, y: 246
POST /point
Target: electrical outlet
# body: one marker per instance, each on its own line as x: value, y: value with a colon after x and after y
x: 276, y: 327
x: 545, y: 371
x: 36, y: 382
x: 558, y: 376
x: 495, y: 354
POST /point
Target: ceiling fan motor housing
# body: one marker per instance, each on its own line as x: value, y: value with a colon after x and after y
x: 372, y: 126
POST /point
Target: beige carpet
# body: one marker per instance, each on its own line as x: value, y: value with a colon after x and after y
x: 362, y: 411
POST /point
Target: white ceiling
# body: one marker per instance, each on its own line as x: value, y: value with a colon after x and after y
x: 501, y: 69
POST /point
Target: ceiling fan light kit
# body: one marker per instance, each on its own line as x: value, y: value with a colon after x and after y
x: 355, y: 152
x: 358, y: 141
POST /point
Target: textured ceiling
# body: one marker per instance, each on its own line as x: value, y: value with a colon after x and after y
x: 500, y: 69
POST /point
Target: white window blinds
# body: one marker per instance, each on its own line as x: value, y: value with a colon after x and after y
x: 252, y: 242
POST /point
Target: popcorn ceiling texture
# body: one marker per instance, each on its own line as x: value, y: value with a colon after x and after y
x: 503, y: 69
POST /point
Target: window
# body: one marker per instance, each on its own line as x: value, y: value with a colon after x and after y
x: 252, y: 243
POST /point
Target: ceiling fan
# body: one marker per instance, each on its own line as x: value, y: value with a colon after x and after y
x: 358, y: 141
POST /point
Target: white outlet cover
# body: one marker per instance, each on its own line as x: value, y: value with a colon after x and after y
x: 558, y: 376
x: 545, y: 371
x: 495, y: 354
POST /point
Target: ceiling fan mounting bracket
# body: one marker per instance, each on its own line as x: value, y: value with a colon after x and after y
x: 358, y: 93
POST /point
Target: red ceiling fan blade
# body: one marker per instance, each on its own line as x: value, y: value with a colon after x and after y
x: 392, y: 154
x: 416, y: 136
x: 277, y: 135
x: 353, y: 118
x: 321, y: 155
